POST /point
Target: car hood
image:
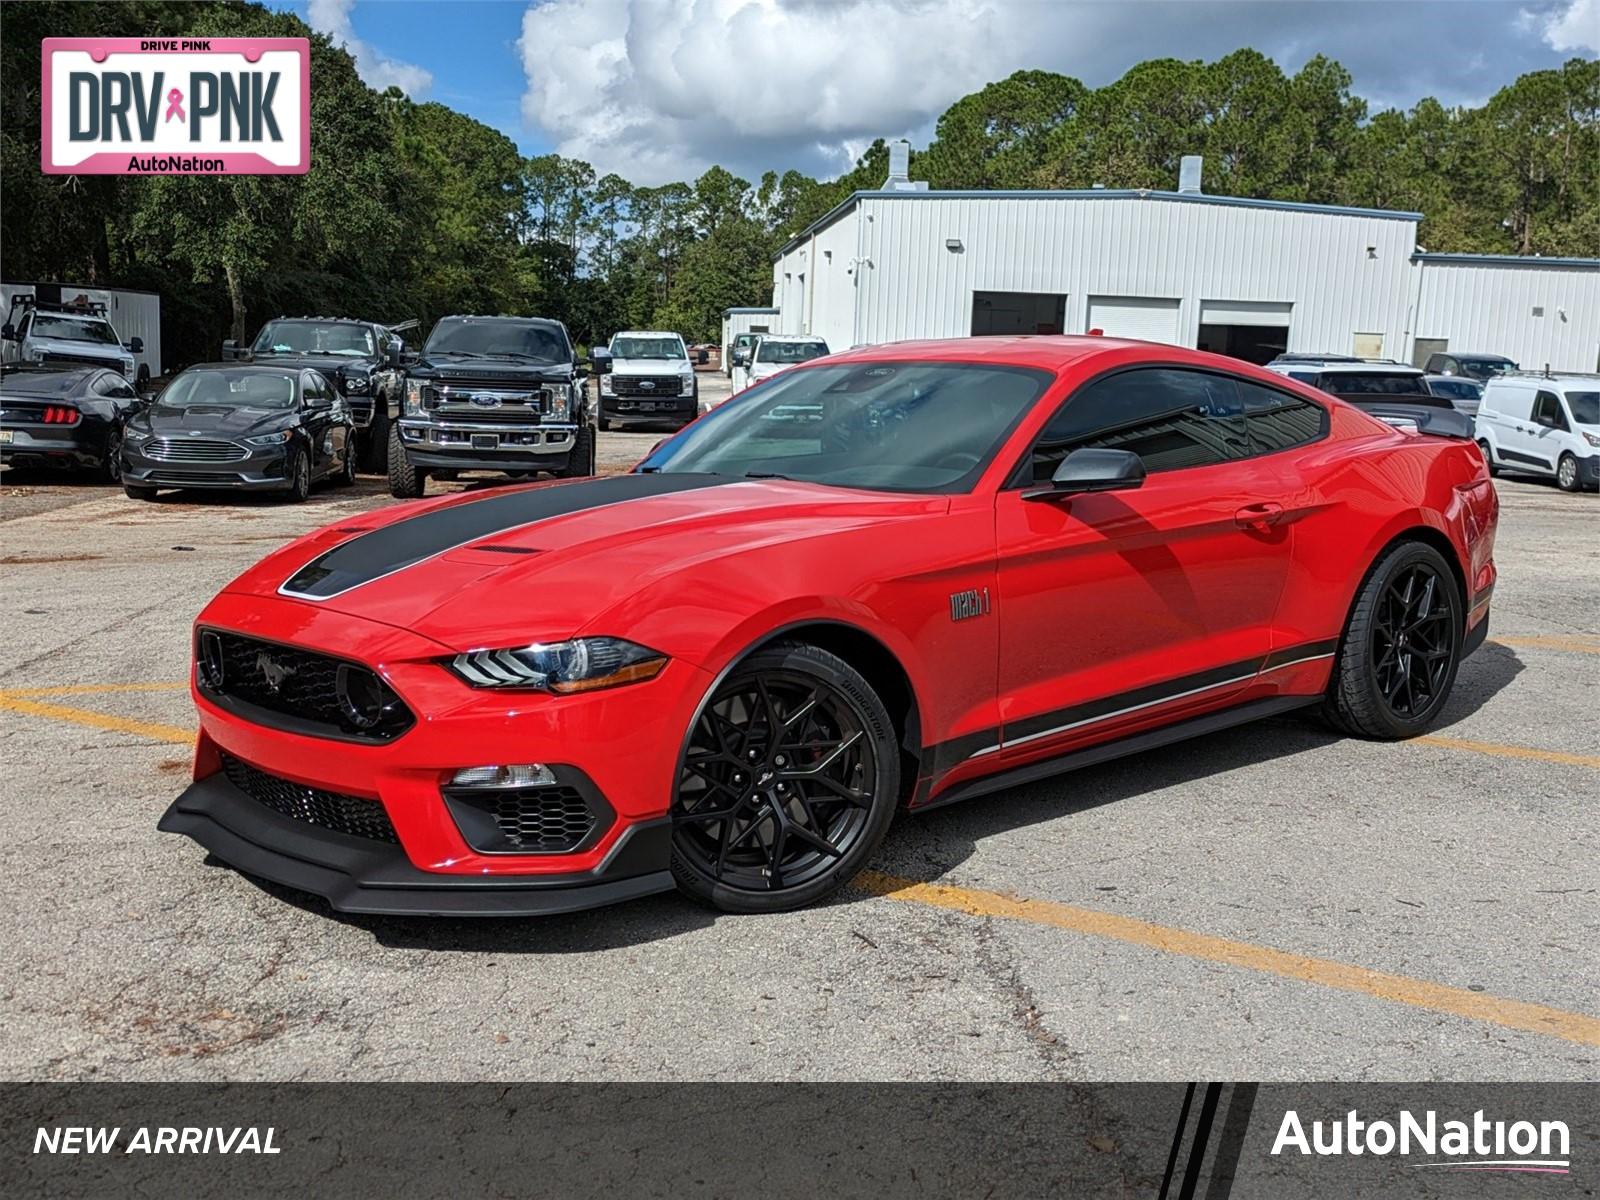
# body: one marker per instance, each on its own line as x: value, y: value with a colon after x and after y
x: 651, y: 366
x: 116, y: 354
x: 547, y: 561
x: 446, y: 369
x: 220, y: 420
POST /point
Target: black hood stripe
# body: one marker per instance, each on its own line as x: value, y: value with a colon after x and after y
x: 402, y: 544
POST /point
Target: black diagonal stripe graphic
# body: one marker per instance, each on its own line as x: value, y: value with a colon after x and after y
x: 1241, y: 1100
x: 1197, y: 1144
x: 405, y: 543
x: 1177, y: 1141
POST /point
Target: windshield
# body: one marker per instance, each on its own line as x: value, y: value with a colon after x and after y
x: 1585, y: 407
x: 894, y: 427
x: 221, y: 388
x: 73, y: 329
x: 533, y: 341
x: 316, y: 337
x: 647, y: 347
x: 1486, y: 368
x: 1372, y: 383
x: 789, y: 352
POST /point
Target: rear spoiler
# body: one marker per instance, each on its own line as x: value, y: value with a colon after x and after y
x: 1435, y: 422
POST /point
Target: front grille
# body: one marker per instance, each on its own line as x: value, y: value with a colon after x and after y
x: 193, y: 450
x: 536, y: 820
x: 192, y: 478
x: 634, y: 385
x: 459, y: 414
x: 354, y: 816
x: 51, y: 357
x: 314, y: 693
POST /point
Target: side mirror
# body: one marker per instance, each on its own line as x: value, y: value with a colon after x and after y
x: 232, y: 350
x: 136, y: 345
x: 1092, y: 470
x: 741, y: 358
x: 319, y: 403
x: 391, y: 353
x: 599, y: 362
x: 9, y: 332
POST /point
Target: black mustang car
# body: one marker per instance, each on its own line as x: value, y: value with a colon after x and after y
x: 248, y: 428
x: 73, y: 417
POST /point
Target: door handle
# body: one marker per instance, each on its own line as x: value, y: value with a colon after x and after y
x: 1258, y: 516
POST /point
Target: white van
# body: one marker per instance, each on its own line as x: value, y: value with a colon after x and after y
x: 1543, y: 424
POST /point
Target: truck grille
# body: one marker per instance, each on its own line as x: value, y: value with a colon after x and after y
x: 313, y: 693
x: 353, y: 816
x: 465, y: 402
x: 193, y: 450
x: 53, y: 358
x: 634, y: 385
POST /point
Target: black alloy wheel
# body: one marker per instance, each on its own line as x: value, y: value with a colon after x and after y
x: 1401, y: 648
x: 347, y: 462
x: 787, y: 784
x: 297, y: 470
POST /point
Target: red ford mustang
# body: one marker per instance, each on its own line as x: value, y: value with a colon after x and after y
x: 892, y: 578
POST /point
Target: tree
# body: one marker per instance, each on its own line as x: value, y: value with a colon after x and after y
x: 999, y: 137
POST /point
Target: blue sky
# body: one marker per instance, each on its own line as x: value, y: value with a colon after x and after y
x: 657, y: 90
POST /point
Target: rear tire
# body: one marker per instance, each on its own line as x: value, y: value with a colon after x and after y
x: 1567, y: 474
x: 407, y: 481
x: 788, y: 782
x: 1401, y: 647
x: 1488, y: 457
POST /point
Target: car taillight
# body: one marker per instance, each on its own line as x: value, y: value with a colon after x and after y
x: 59, y: 414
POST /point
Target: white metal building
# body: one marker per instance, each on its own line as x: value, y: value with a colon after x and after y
x: 1245, y: 277
x: 744, y: 320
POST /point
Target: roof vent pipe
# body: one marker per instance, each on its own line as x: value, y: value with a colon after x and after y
x: 1189, y: 175
x: 899, y: 162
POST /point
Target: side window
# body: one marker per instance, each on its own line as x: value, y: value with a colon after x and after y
x: 1547, y: 411
x: 1278, y: 421
x: 310, y: 387
x: 1171, y: 418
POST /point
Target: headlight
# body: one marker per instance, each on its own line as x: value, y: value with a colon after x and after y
x: 356, y: 385
x: 581, y: 665
x: 135, y: 437
x: 560, y: 401
x: 271, y: 439
x: 1591, y: 439
x: 605, y: 385
x: 414, y: 392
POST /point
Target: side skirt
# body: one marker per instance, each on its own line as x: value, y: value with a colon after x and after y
x: 1121, y: 748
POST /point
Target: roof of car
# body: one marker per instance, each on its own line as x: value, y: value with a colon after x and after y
x: 250, y: 367
x: 663, y: 333
x: 1471, y: 356
x: 1049, y: 351
x: 326, y: 320
x: 1584, y: 379
x: 1365, y: 367
x: 789, y: 337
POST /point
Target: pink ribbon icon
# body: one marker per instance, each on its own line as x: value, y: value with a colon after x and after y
x: 175, y: 106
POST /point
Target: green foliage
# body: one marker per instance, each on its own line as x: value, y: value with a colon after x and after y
x: 415, y: 210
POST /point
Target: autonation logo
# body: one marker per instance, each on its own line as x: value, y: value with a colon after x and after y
x: 1478, y: 1145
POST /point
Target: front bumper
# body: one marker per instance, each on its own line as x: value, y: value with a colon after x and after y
x: 1589, y: 471
x: 443, y: 445
x: 626, y: 741
x: 262, y: 469
x: 625, y: 410
x: 359, y: 876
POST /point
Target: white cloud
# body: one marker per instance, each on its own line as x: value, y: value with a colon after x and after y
x: 332, y: 17
x: 656, y: 90
x: 1575, y: 28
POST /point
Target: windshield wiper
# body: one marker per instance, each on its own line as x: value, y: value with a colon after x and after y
x: 766, y: 475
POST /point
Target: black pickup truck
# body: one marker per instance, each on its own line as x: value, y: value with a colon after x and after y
x: 492, y: 394
x: 360, y: 358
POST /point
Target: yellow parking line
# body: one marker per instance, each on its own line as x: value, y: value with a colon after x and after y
x: 92, y: 689
x: 83, y: 716
x: 1577, y: 645
x: 1400, y: 989
x: 1495, y: 748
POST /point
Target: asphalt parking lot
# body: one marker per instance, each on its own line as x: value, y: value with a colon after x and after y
x: 1274, y: 902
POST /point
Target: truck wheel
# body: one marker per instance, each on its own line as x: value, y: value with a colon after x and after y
x: 407, y: 481
x: 580, y: 462
x: 373, y: 455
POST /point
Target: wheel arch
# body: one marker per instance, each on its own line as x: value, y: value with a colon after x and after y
x: 1429, y: 535
x: 865, y: 652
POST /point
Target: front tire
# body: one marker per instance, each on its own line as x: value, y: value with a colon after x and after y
x: 1401, y: 647
x: 298, y: 472
x: 581, y: 461
x: 407, y: 481
x: 788, y: 782
x: 112, y: 466
x: 1488, y: 457
x: 1567, y: 474
x: 373, y: 458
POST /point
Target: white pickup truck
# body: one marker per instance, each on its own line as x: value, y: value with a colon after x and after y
x: 66, y: 336
x: 650, y: 381
x: 774, y: 352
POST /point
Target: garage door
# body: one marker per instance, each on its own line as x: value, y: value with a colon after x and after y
x: 1135, y: 317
